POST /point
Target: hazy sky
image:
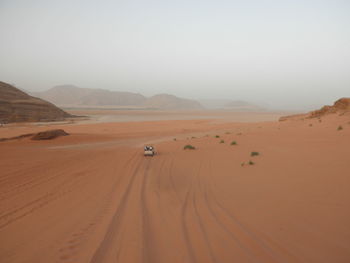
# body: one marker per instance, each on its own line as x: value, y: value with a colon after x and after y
x: 290, y: 53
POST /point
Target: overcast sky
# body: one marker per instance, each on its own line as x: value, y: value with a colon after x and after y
x: 292, y: 53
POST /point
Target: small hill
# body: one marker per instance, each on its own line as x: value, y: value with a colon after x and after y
x: 17, y: 106
x: 72, y: 95
x: 171, y: 102
x: 341, y: 106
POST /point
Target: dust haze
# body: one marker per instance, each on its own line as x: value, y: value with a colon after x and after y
x: 281, y: 54
x: 174, y: 131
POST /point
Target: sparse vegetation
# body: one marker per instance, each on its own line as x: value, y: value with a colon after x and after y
x: 251, y: 163
x: 227, y: 133
x: 310, y: 124
x: 217, y: 136
x: 233, y: 143
x: 189, y: 147
x: 340, y: 128
x: 222, y: 141
x: 174, y: 139
x: 242, y: 164
x: 193, y: 137
x: 254, y: 154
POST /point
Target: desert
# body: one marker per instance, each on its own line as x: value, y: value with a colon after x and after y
x: 175, y: 131
x: 93, y: 197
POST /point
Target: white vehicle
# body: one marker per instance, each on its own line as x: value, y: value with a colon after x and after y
x: 149, y: 151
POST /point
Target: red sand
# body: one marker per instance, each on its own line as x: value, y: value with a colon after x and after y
x: 93, y: 197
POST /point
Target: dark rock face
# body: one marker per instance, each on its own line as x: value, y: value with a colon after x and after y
x: 17, y: 106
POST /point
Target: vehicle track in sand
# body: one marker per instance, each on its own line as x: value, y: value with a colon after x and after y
x: 114, y: 228
x: 75, y: 200
x: 204, y: 222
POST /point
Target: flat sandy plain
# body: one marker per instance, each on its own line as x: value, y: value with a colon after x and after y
x: 93, y: 197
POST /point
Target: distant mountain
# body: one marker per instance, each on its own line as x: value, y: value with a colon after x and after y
x: 72, y: 95
x: 239, y: 105
x: 170, y: 102
x: 234, y: 105
x: 17, y: 106
x: 69, y: 95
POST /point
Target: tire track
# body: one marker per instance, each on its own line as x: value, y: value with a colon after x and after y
x: 185, y: 230
x: 40, y: 202
x: 147, y: 237
x: 200, y: 221
x: 226, y: 229
x: 113, y: 227
x: 171, y: 180
x: 249, y: 235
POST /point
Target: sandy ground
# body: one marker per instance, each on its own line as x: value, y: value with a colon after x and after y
x: 93, y: 197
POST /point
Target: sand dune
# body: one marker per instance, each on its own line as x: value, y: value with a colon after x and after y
x: 93, y: 197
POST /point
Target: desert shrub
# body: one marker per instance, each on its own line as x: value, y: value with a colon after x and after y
x: 193, y: 137
x: 340, y: 128
x: 227, y: 133
x: 174, y: 139
x: 189, y: 147
x: 251, y: 163
x: 222, y: 141
x: 217, y: 136
x: 254, y: 153
x: 310, y: 125
x: 233, y: 143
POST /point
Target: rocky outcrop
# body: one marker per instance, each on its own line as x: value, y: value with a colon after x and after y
x: 49, y: 135
x: 341, y: 106
x: 45, y: 135
x: 17, y: 106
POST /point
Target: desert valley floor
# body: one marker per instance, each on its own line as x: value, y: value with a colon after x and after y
x: 93, y: 197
